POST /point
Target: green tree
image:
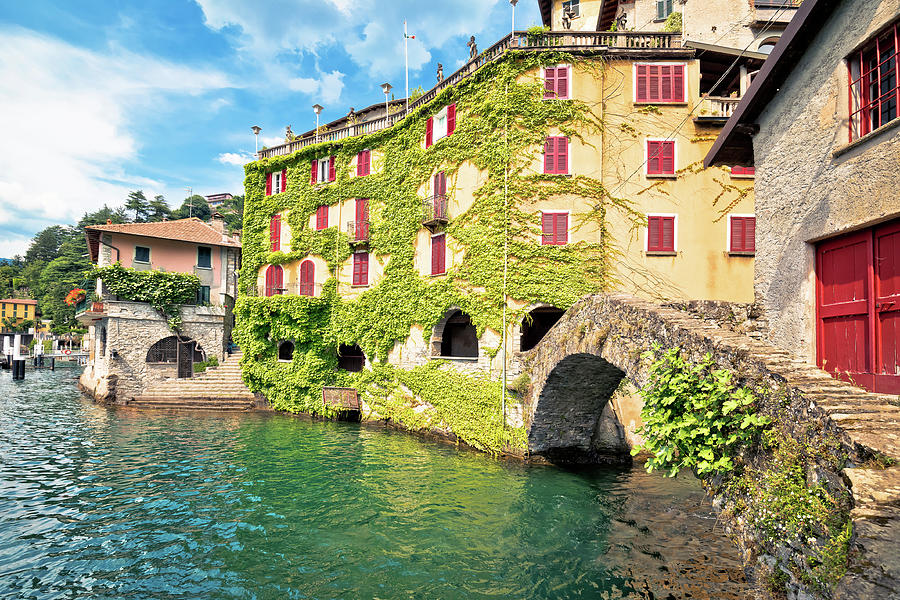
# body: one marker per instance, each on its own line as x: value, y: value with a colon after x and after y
x: 60, y: 275
x: 233, y: 211
x: 137, y: 202
x: 159, y: 209
x: 195, y: 206
x: 100, y: 217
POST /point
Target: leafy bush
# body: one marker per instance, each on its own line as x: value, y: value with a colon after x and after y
x: 694, y: 416
x: 164, y: 291
x: 673, y: 23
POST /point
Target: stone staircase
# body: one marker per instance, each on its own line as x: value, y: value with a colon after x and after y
x: 219, y: 388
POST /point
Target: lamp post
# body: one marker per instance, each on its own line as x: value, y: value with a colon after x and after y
x: 317, y: 108
x: 386, y: 88
x: 256, y: 129
x: 513, y: 31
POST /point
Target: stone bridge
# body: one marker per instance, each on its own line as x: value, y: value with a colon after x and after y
x: 582, y: 404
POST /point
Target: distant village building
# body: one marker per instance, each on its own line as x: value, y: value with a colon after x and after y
x: 130, y: 344
x: 820, y: 125
x: 216, y: 201
x: 16, y: 310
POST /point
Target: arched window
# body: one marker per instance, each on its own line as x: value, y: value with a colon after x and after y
x: 351, y: 358
x: 767, y: 45
x: 307, y: 278
x: 286, y: 351
x: 274, y: 280
x: 166, y: 350
x: 536, y: 324
x: 458, y: 337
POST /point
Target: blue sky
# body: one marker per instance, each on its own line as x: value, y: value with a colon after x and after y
x: 98, y: 98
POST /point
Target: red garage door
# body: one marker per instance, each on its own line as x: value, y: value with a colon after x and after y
x: 858, y: 307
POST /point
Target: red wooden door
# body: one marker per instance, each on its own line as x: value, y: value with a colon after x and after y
x: 274, y: 280
x: 307, y: 278
x: 362, y: 219
x: 887, y: 308
x: 858, y: 307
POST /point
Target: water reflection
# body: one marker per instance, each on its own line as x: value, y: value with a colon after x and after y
x: 112, y: 504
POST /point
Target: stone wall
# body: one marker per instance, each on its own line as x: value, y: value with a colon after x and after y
x: 810, y: 184
x: 131, y: 329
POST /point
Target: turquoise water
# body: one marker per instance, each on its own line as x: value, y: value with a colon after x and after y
x: 104, y: 503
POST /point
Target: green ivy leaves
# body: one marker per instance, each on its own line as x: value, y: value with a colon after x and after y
x: 164, y: 291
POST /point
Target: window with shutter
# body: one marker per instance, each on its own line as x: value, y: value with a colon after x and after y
x: 742, y: 234
x: 659, y: 83
x: 363, y: 163
x: 275, y: 233
x: 556, y: 155
x: 274, y: 280
x: 554, y: 228
x: 268, y: 184
x: 307, y: 278
x: 438, y: 254
x: 440, y: 196
x: 664, y: 8
x: 660, y: 157
x: 314, y: 172
x: 660, y: 233
x: 556, y: 82
x: 283, y: 180
x: 429, y: 132
x: 322, y: 218
x: 451, y: 119
x: 331, y: 169
x: 361, y: 228
x: 361, y: 268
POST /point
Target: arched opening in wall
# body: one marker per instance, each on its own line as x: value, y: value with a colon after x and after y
x: 574, y: 420
x: 351, y: 358
x: 182, y: 352
x: 455, y: 336
x: 286, y: 351
x: 767, y: 45
x: 536, y: 324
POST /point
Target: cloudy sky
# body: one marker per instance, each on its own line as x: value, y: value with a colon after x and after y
x: 98, y: 98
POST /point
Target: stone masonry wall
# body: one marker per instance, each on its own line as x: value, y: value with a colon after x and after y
x: 809, y: 184
x: 131, y: 329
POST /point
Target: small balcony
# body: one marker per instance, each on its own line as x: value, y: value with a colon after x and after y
x: 86, y: 312
x: 358, y: 232
x: 435, y: 211
x: 715, y: 110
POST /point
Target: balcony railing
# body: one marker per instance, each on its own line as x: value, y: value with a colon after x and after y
x: 435, y: 210
x: 520, y: 40
x: 717, y: 108
x: 358, y: 231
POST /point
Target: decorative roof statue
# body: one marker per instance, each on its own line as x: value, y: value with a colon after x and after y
x: 440, y: 73
x: 473, y: 49
x: 568, y: 15
x: 621, y: 21
x: 288, y: 134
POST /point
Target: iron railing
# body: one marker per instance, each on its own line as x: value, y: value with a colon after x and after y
x: 435, y: 209
x: 358, y: 231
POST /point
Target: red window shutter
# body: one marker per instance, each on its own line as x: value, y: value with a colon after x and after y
x: 660, y: 158
x: 429, y: 131
x: 547, y: 229
x: 550, y: 155
x: 562, y: 82
x: 331, y: 169
x: 743, y: 234
x: 270, y: 280
x: 361, y: 268
x: 451, y: 119
x: 322, y: 217
x: 438, y: 254
x: 668, y: 158
x: 362, y: 219
x: 642, y: 85
x: 743, y: 170
x: 549, y: 83
x: 279, y: 279
x: 665, y: 82
x: 363, y: 164
x: 653, y: 77
x: 268, y: 184
x: 653, y: 231
x: 442, y: 183
x: 562, y: 155
x: 284, y: 180
x: 307, y: 278
x: 661, y: 234
x: 668, y: 234
x: 314, y: 172
x: 750, y: 234
x: 561, y: 226
x: 677, y: 83
x: 275, y: 232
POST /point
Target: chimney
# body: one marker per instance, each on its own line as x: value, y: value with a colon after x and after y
x: 218, y: 222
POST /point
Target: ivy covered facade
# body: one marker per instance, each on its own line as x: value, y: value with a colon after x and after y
x: 393, y: 262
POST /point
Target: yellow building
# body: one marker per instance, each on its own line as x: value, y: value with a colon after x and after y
x: 16, y: 310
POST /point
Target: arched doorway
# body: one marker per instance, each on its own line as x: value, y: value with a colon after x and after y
x: 274, y: 280
x: 455, y: 336
x: 307, y: 278
x: 351, y: 358
x: 536, y: 324
x: 182, y: 352
x: 286, y: 351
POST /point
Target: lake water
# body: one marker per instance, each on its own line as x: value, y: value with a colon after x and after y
x: 107, y: 503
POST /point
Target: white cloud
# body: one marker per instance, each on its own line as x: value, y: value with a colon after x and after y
x: 72, y: 112
x: 234, y: 158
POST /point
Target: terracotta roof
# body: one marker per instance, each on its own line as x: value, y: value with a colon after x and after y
x: 191, y: 230
x: 18, y: 301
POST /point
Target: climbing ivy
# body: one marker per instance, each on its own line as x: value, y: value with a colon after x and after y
x: 164, y: 291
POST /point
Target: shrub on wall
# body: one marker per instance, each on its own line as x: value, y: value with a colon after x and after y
x: 164, y: 291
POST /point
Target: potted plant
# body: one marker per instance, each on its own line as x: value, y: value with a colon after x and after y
x: 75, y: 296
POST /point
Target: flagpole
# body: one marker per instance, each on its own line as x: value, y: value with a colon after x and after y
x: 406, y: 55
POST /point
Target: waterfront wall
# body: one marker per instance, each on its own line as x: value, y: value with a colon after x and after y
x: 117, y: 368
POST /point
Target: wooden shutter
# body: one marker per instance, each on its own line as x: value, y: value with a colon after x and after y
x: 451, y: 119
x: 429, y: 132
x: 331, y: 169
x: 314, y: 171
x: 270, y: 277
x: 362, y: 219
x: 268, y: 184
x: 660, y: 158
x: 561, y: 229
x: 668, y: 157
x: 322, y: 217
x: 362, y: 163
x: 549, y: 83
x: 642, y: 86
x: 440, y: 184
x: 307, y: 278
x: 279, y: 279
x: 654, y: 159
x: 660, y: 234
x: 547, y: 229
x: 677, y: 83
x: 438, y: 254
x: 562, y: 155
x: 274, y: 280
x: 549, y: 155
x: 562, y: 82
x: 275, y: 233
x: 284, y: 180
x: 361, y: 268
x: 743, y: 234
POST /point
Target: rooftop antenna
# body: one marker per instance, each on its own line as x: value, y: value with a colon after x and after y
x: 190, y: 192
